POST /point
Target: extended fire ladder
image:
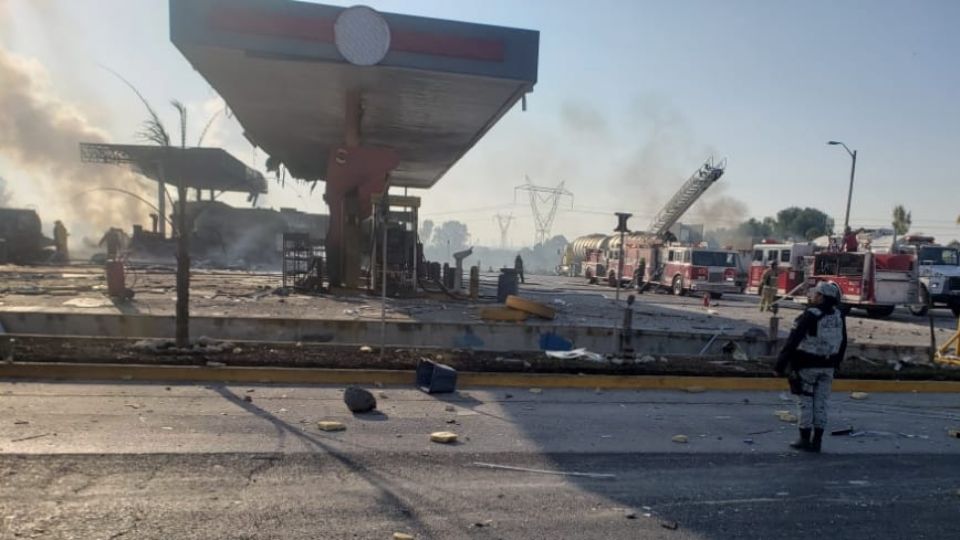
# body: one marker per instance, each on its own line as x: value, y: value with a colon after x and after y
x: 685, y: 197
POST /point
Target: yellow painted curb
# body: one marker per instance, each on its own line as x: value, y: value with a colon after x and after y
x: 237, y: 374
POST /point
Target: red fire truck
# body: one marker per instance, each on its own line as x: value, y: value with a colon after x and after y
x: 683, y: 269
x: 876, y: 283
x: 790, y: 263
x: 677, y: 268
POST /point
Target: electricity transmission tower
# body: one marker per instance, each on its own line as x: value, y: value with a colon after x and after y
x: 544, y: 202
x: 504, y: 222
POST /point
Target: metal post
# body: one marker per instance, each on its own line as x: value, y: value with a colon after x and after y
x: 162, y: 203
x: 853, y: 169
x: 416, y: 240
x: 385, y: 208
x: 622, y: 218
x: 620, y: 266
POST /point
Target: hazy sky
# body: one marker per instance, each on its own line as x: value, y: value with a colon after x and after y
x: 632, y: 96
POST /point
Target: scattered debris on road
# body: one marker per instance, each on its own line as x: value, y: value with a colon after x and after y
x: 871, y: 433
x: 682, y: 439
x: 31, y: 437
x: 695, y: 389
x: 786, y: 416
x: 443, y: 437
x: 531, y: 307
x: 859, y: 395
x: 671, y: 525
x: 575, y: 354
x: 331, y: 425
x: 601, y: 476
x: 359, y: 400
x: 402, y: 536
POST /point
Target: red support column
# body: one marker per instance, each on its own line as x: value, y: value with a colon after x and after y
x: 354, y: 173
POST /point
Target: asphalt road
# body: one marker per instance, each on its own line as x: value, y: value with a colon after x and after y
x: 144, y: 461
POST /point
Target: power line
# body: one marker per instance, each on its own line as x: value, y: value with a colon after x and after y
x: 469, y: 210
x: 544, y: 202
x: 504, y: 222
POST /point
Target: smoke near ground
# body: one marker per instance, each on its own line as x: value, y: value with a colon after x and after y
x: 6, y: 197
x: 40, y: 136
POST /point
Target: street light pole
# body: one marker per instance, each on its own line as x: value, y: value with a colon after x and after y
x: 853, y: 170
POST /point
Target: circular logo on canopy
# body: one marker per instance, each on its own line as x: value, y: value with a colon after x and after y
x: 362, y: 35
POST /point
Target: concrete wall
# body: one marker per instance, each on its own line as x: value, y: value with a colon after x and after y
x: 489, y: 336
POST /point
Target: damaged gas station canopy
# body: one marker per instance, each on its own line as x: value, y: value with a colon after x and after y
x: 292, y: 73
x: 198, y: 168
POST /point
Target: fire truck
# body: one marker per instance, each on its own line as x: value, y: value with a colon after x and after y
x: 874, y: 282
x: 939, y: 268
x: 790, y: 264
x: 664, y: 260
x: 689, y: 269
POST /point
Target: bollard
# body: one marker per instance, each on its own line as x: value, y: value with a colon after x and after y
x: 773, y: 334
x: 474, y: 282
x: 626, y: 330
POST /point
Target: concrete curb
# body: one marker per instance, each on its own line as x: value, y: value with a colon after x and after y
x: 228, y: 374
x: 474, y: 335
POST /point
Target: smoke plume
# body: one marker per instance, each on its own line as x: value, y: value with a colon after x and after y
x: 582, y: 118
x: 717, y: 210
x: 40, y: 134
x: 5, y: 195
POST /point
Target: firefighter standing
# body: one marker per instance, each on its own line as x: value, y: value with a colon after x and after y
x: 810, y: 357
x: 114, y: 240
x: 640, y: 274
x: 518, y: 266
x: 768, y: 287
x: 850, y: 241
x: 60, y: 242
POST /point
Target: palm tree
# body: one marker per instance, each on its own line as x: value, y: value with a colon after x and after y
x: 901, y: 221
x: 156, y: 132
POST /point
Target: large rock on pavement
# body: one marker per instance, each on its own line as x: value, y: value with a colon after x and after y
x: 359, y: 400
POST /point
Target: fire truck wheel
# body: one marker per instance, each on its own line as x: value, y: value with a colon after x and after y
x: 921, y: 309
x: 716, y: 296
x: 678, y: 286
x: 955, y: 309
x: 880, y: 312
x: 612, y: 279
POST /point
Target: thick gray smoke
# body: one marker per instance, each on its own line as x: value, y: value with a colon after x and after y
x: 40, y: 135
x: 583, y: 117
x: 717, y: 210
x: 6, y: 197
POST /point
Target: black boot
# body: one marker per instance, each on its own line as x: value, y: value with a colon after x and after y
x: 803, y: 443
x: 817, y: 440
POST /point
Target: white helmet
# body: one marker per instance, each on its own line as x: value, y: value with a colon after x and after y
x: 829, y: 289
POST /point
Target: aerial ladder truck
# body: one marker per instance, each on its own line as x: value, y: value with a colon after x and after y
x: 601, y: 253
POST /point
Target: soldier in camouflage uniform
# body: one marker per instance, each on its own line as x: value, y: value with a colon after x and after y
x: 810, y: 357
